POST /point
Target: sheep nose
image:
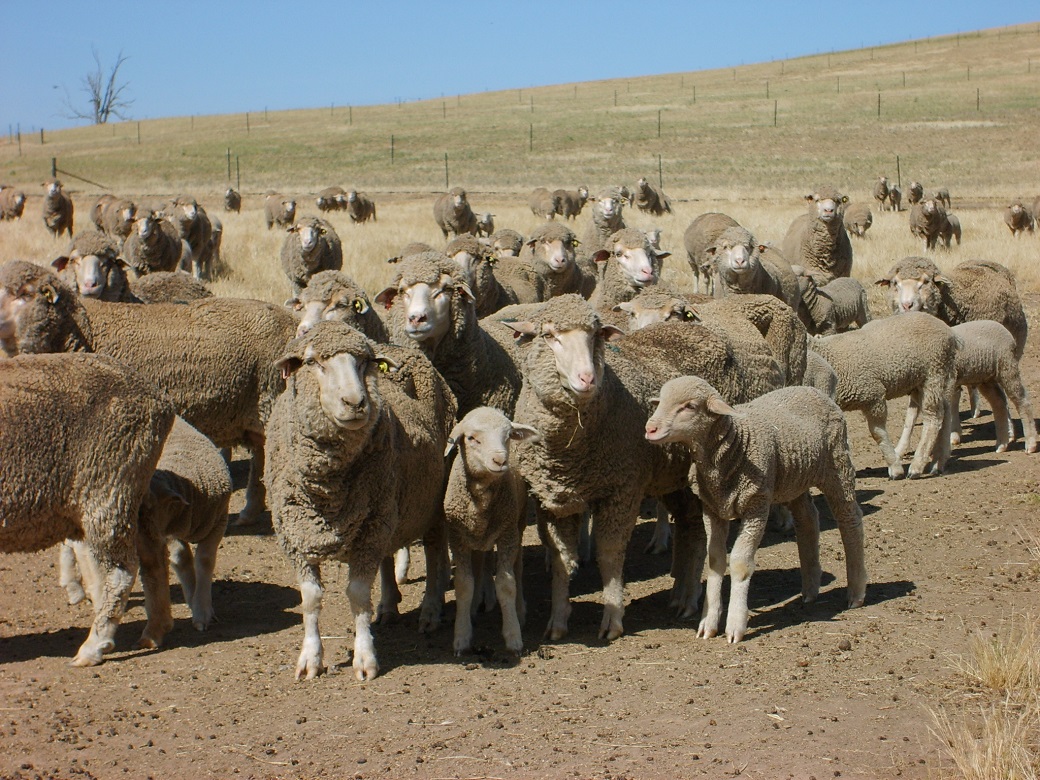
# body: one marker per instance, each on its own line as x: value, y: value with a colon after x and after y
x: 586, y: 380
x: 302, y: 329
x: 356, y: 407
x: 908, y: 305
x: 415, y: 319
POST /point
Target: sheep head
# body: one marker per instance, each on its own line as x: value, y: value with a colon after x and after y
x: 483, y: 438
x: 687, y: 409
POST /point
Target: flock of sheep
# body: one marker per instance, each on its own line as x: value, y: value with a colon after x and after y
x: 497, y: 378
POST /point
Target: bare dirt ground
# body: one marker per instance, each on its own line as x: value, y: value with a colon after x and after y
x: 811, y: 692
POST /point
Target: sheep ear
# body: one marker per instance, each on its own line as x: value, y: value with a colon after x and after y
x: 395, y: 259
x: 717, y: 406
x: 467, y: 294
x: 625, y: 306
x: 521, y: 432
x: 662, y: 255
x: 523, y: 332
x: 293, y: 303
x: 610, y: 333
x: 531, y: 242
x: 288, y: 365
x: 762, y: 247
x: 290, y: 229
x: 883, y: 282
x: 601, y: 256
x: 49, y: 293
x: 691, y: 315
x: 386, y: 297
x: 453, y: 439
x: 361, y: 305
x: 165, y: 490
x: 60, y: 262
x: 387, y: 365
x: 940, y: 279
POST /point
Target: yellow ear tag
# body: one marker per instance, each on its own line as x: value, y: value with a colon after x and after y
x: 690, y: 315
x: 384, y: 367
x: 359, y: 305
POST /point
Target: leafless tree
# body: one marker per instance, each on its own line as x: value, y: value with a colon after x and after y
x: 105, y: 93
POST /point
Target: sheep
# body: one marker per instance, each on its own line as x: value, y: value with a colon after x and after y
x: 699, y: 237
x: 355, y: 470
x: 332, y: 199
x: 912, y: 354
x: 590, y: 404
x: 973, y: 290
x: 279, y: 210
x: 914, y: 193
x: 506, y: 242
x: 629, y: 263
x: 453, y: 213
x: 895, y: 198
x: 543, y: 203
x: 206, y: 269
x: 942, y: 195
x: 194, y: 226
x: 87, y: 477
x: 114, y: 216
x: 58, y: 211
x: 770, y: 450
x: 571, y: 202
x: 360, y: 207
x: 485, y: 224
x: 881, y: 192
x: 332, y: 295
x: 169, y: 287
x: 213, y: 358
x: 741, y: 268
x: 607, y: 219
x: 653, y: 235
x: 817, y: 240
x: 551, y: 250
x: 311, y: 245
x: 626, y: 194
x: 1018, y: 218
x: 655, y: 304
x: 928, y: 221
x: 154, y: 245
x: 12, y: 203
x: 951, y: 231
x: 857, y: 219
x: 834, y: 307
x: 485, y: 507
x: 411, y: 248
x: 649, y: 199
x: 820, y: 374
x: 232, y: 200
x: 92, y: 266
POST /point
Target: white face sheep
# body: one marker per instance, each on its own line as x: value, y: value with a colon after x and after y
x: 652, y: 306
x: 817, y: 240
x: 311, y: 245
x: 770, y: 450
x: 58, y: 211
x: 631, y: 263
x: 12, y: 203
x: 334, y: 296
x: 93, y: 266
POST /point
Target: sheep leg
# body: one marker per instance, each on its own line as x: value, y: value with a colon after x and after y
x: 464, y: 578
x: 402, y: 559
x: 741, y: 567
x: 507, y: 587
x: 876, y: 417
x: 256, y: 494
x: 359, y: 591
x: 717, y: 532
x: 205, y: 563
x: 93, y: 578
x: 612, y: 531
x: 662, y: 532
x: 389, y: 593
x: 311, y: 661
x: 998, y: 403
x: 560, y: 534
x: 183, y: 562
x: 688, y: 551
x: 114, y: 589
x: 976, y: 402
x: 840, y: 492
x: 435, y: 549
x: 807, y: 535
x: 954, y: 407
x: 934, y: 447
x: 912, y: 409
x: 69, y: 576
x: 155, y: 579
x: 486, y: 597
x: 1014, y: 389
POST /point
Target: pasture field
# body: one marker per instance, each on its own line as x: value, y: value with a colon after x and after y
x: 938, y: 670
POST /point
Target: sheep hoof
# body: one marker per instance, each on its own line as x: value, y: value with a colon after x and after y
x: 1031, y: 447
x: 308, y: 669
x: 734, y: 636
x: 365, y: 671
x: 86, y: 659
x: 856, y: 601
x: 1001, y: 448
x: 75, y: 593
x: 895, y: 471
x: 611, y: 632
x: 706, y: 632
x: 555, y: 633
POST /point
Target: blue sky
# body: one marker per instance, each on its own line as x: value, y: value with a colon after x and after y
x: 188, y: 57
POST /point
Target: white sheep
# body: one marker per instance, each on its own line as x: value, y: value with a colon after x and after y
x: 453, y: 213
x: 607, y: 219
x: 332, y: 295
x: 485, y: 508
x: 360, y: 207
x: 817, y: 240
x: 58, y: 211
x: 744, y: 266
x: 311, y: 245
x: 154, y: 245
x: 571, y: 202
x: 700, y: 236
x: 485, y: 224
x: 92, y: 266
x: 834, y: 307
x: 770, y: 450
x: 857, y: 219
x: 543, y: 203
x: 629, y: 264
x: 279, y: 210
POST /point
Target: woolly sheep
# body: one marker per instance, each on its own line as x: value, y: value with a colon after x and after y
x: 942, y: 195
x: 154, y: 245
x: 194, y: 226
x: 628, y: 264
x: 169, y: 287
x: 590, y: 404
x: 485, y: 508
x: 699, y: 237
x: 485, y: 224
x: 820, y: 374
x: 607, y: 219
x: 881, y: 192
x: 360, y: 207
x: 817, y: 240
x: 912, y: 354
x: 741, y: 268
x: 857, y: 219
x: 543, y: 203
x: 232, y: 200
x: 213, y: 358
x: 12, y: 203
x: 973, y: 290
x: 494, y: 283
x: 506, y: 242
x: 279, y: 210
x: 114, y: 216
x: 332, y: 199
x: 355, y: 468
x: 58, y: 211
x: 651, y: 200
x: 915, y: 192
x: 87, y: 477
x: 311, y: 245
x: 551, y: 250
x: 928, y: 221
x: 92, y: 266
x: 1018, y: 218
x: 453, y: 213
x: 834, y: 307
x: 895, y: 198
x: 656, y: 304
x: 571, y: 202
x: 770, y: 450
x: 332, y: 295
x: 951, y: 231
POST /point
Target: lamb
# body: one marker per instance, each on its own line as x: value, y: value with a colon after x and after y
x: 951, y: 231
x: 833, y: 308
x: 820, y: 374
x: 332, y: 295
x: 194, y: 226
x: 571, y: 202
x: 629, y: 263
x: 973, y: 290
x: 590, y: 403
x: 311, y: 245
x: 1018, y: 218
x: 649, y: 199
x: 857, y: 219
x: 279, y: 210
x: 552, y: 252
x: 12, y: 203
x: 912, y: 354
x: 485, y: 224
x: 895, y: 198
x: 332, y: 199
x: 928, y: 221
x: 770, y: 450
x: 915, y: 193
x: 506, y: 242
x: 453, y: 213
x: 92, y: 266
x: 58, y: 212
x: 942, y: 195
x: 607, y: 219
x: 232, y: 200
x: 360, y: 207
x: 543, y: 203
x: 169, y: 287
x: 355, y: 468
x: 485, y: 507
x: 699, y: 237
x: 817, y: 240
x: 742, y: 268
x: 87, y: 478
x: 655, y: 304
x: 154, y: 245
x: 214, y: 357
x: 881, y: 192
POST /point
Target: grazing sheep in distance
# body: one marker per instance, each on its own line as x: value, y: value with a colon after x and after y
x: 543, y: 203
x: 311, y: 245
x: 895, y: 198
x: 355, y: 469
x: 951, y: 231
x: 232, y: 200
x: 1018, y: 218
x: 87, y: 478
x: 857, y: 219
x: 928, y: 222
x: 771, y: 450
x: 360, y: 207
x: 332, y: 199
x: 58, y: 212
x: 915, y: 193
x: 12, y: 203
x: 650, y: 200
x: 817, y: 240
x: 153, y: 245
x: 943, y: 196
x: 881, y: 192
x: 453, y: 213
x: 279, y: 210
x: 571, y: 202
x: 698, y: 239
x: 485, y: 224
x: 92, y: 266
x: 485, y: 507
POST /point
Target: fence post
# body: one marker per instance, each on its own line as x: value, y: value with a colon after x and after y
x: 775, y: 103
x: 658, y: 123
x: 247, y: 123
x: 41, y: 136
x: 530, y: 143
x: 660, y: 174
x: 229, y: 164
x: 878, y: 105
x: 978, y: 98
x: 445, y: 170
x: 238, y: 174
x: 391, y: 149
x: 54, y: 167
x: 138, y: 133
x: 899, y: 178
